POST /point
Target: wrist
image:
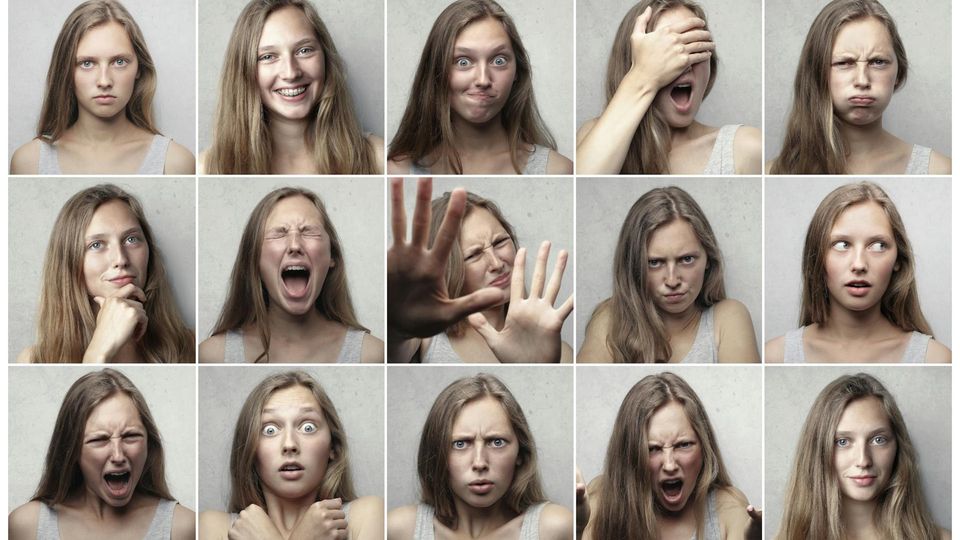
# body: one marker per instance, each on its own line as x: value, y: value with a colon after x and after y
x: 642, y: 85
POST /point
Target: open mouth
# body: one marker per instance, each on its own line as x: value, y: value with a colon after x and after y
x: 681, y: 94
x: 117, y: 482
x: 291, y: 467
x: 291, y: 471
x: 672, y: 490
x: 295, y: 279
x: 291, y: 92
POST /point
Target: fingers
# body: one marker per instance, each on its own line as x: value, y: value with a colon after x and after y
x: 687, y: 24
x: 130, y: 292
x: 480, y: 323
x: 399, y: 221
x: 699, y: 47
x: 330, y: 504
x: 476, y: 301
x: 142, y: 322
x: 450, y: 227
x: 696, y: 58
x: 540, y: 270
x: 516, y: 279
x: 553, y: 288
x: 694, y: 36
x: 564, y: 310
x: 421, y: 213
x: 640, y: 27
x: 756, y: 514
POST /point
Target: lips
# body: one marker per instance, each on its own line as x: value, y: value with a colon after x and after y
x: 502, y: 281
x: 862, y: 101
x: 292, y: 94
x: 480, y: 487
x: 863, y: 480
x: 481, y: 97
x: 291, y: 470
x: 674, y: 298
x: 120, y: 281
x: 295, y: 278
x: 672, y: 491
x: 105, y: 99
x: 118, y: 483
x: 858, y: 287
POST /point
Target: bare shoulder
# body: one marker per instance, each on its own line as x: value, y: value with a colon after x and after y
x: 556, y: 522
x: 179, y: 160
x: 747, y: 148
x: 366, y: 518
x: 730, y: 311
x: 732, y: 511
x: 401, y: 522
x: 213, y: 349
x: 184, y: 523
x: 585, y: 129
x: 377, y: 143
x: 202, y: 161
x: 22, y: 522
x: 939, y: 163
x: 945, y: 534
x: 558, y: 164
x: 594, y: 348
x: 371, y: 351
x: 937, y: 353
x: 26, y: 159
x: 566, y: 353
x: 25, y: 356
x: 399, y: 166
x: 773, y: 351
x: 214, y: 525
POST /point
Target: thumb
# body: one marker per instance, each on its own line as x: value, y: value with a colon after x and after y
x: 480, y: 323
x: 99, y: 300
x: 642, y: 21
x: 477, y: 301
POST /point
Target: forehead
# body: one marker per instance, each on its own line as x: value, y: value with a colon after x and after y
x: 863, y: 414
x: 674, y: 15
x: 293, y: 397
x: 479, y: 224
x: 866, y: 217
x: 486, y: 413
x: 288, y: 23
x: 112, y: 214
x: 116, y: 409
x: 669, y: 420
x: 107, y: 38
x: 675, y: 236
x: 296, y: 208
x: 484, y: 33
x: 867, y: 33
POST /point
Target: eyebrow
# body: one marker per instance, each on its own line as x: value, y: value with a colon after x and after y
x: 302, y: 42
x: 874, y: 431
x: 468, y: 50
x: 302, y: 410
x: 124, y: 233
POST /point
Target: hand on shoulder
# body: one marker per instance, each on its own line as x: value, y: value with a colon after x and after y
x: 179, y: 160
x: 401, y: 522
x: 556, y: 522
x: 213, y: 349
x: 747, y: 148
x: 26, y: 159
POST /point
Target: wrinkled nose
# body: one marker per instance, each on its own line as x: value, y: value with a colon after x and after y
x: 494, y: 263
x: 669, y: 460
x: 116, y: 451
x: 294, y: 243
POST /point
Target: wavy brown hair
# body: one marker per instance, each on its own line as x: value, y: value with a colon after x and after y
x: 650, y: 148
x: 900, y: 303
x: 637, y: 332
x: 60, y: 110
x: 247, y: 299
x: 426, y: 129
x: 67, y: 318
x: 454, y: 272
x: 436, y: 441
x: 241, y: 135
x: 813, y: 501
x: 627, y: 506
x: 62, y: 476
x: 245, y: 485
x: 813, y: 143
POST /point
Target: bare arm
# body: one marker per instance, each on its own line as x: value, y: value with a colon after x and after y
x: 401, y: 522
x: 937, y: 353
x: 594, y: 348
x: 366, y: 519
x: 747, y: 149
x: 737, y: 341
x: 184, y: 524
x: 558, y: 164
x: 773, y: 351
x: 22, y: 522
x: 940, y: 164
x: 26, y: 159
x: 371, y: 352
x: 556, y: 522
x: 179, y: 160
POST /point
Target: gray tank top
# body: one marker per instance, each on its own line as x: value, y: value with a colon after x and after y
x: 440, y: 351
x: 48, y: 528
x: 345, y: 508
x: 915, y: 353
x: 721, y: 158
x: 234, y: 353
x: 711, y: 523
x: 536, y: 163
x: 919, y: 160
x: 704, y: 348
x: 152, y: 162
x: 529, y: 530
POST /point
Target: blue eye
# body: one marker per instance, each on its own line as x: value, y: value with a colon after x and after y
x: 462, y: 62
x: 498, y: 443
x: 654, y: 263
x: 500, y: 61
x: 270, y: 430
x: 266, y: 57
x: 305, y: 50
x: 459, y: 445
x: 878, y: 246
x: 86, y: 64
x: 841, y: 245
x: 688, y: 259
x: 95, y: 245
x: 309, y: 427
x: 880, y: 440
x: 121, y: 62
x: 842, y: 442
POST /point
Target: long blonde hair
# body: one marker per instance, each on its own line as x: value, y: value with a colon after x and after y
x: 627, y: 507
x: 247, y: 299
x: 900, y: 303
x: 426, y: 130
x: 650, y: 147
x: 812, y: 143
x: 67, y: 320
x: 241, y: 138
x: 637, y: 333
x: 245, y: 486
x: 60, y: 110
x: 813, y: 500
x: 436, y: 441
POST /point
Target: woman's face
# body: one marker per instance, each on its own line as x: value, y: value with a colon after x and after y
x: 861, y: 257
x: 295, y: 256
x: 114, y: 450
x: 488, y: 252
x: 863, y: 71
x: 680, y: 100
x: 483, y: 453
x: 294, y: 448
x: 290, y: 64
x: 106, y: 70
x: 115, y: 250
x: 676, y: 264
x: 675, y: 457
x: 484, y: 68
x: 864, y: 449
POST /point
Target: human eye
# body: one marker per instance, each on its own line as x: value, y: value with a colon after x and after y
x: 498, y: 442
x: 843, y: 63
x: 879, y: 245
x: 95, y: 245
x: 266, y: 57
x: 275, y: 234
x: 879, y: 62
x: 841, y: 442
x: 471, y: 255
x: 133, y: 239
x: 132, y: 436
x: 654, y: 449
x: 840, y: 245
x: 459, y: 445
x: 85, y: 64
x: 502, y: 241
x: 880, y: 440
x: 684, y: 445
x: 303, y: 51
x: 501, y: 61
x: 655, y: 263
x: 270, y: 430
x: 309, y: 427
x: 99, y: 440
x: 121, y: 62
x: 462, y: 62
x: 688, y: 259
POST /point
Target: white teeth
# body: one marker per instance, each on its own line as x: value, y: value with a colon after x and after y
x: 684, y: 85
x: 292, y: 268
x: 291, y: 92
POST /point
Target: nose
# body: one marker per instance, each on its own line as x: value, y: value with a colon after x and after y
x: 483, y: 76
x: 290, y: 68
x: 669, y: 461
x: 120, y: 258
x: 294, y: 243
x: 104, y: 80
x: 865, y: 458
x: 494, y: 263
x: 479, y: 458
x: 672, y: 276
x: 862, y: 75
x: 116, y: 451
x: 291, y: 445
x: 859, y: 263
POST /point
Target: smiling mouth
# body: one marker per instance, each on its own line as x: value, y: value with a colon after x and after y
x: 295, y: 279
x: 291, y: 92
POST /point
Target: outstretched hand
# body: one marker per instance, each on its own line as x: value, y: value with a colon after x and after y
x: 531, y: 331
x: 755, y: 528
x: 664, y: 54
x: 418, y: 303
x: 120, y: 318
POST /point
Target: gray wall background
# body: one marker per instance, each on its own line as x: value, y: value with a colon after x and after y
x: 36, y: 393
x: 169, y: 206
x: 923, y: 395
x: 356, y: 392
x: 545, y: 393
x: 225, y: 207
x: 732, y: 206
x: 539, y: 210
x: 34, y: 26
x: 731, y: 395
x: 546, y: 29
x: 736, y: 28
x: 357, y: 31
x: 919, y: 112
x: 925, y: 210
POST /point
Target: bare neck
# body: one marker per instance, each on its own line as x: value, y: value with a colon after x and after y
x: 846, y: 325
x: 858, y: 519
x: 470, y: 138
x: 679, y: 136
x: 479, y: 522
x: 288, y: 139
x: 864, y: 139
x: 679, y: 323
x: 286, y: 513
x: 90, y: 504
x: 94, y: 130
x: 290, y: 327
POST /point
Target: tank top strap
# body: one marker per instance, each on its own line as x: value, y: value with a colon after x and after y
x: 156, y: 156
x: 49, y: 162
x: 233, y: 351
x: 916, y: 352
x: 352, y: 346
x: 48, y: 527
x: 721, y: 157
x: 704, y: 348
x: 162, y: 522
x: 537, y: 162
x: 440, y: 351
x: 530, y: 528
x: 793, y: 347
x: 919, y: 160
x: 423, y: 530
